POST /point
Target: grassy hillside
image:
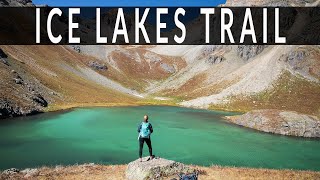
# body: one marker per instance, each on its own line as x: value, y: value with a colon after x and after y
x: 289, y: 92
x: 54, y: 72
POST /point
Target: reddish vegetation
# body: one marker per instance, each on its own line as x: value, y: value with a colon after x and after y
x: 139, y: 73
x: 46, y: 65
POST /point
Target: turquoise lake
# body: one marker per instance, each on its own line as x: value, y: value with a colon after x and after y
x: 109, y: 136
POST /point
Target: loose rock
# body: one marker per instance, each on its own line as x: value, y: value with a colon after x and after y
x: 155, y: 169
x: 30, y: 172
x: 11, y: 171
x: 97, y: 65
x: 215, y: 59
x: 249, y: 51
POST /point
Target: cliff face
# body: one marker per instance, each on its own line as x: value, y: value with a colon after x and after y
x: 20, y: 93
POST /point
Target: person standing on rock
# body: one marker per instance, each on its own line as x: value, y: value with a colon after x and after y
x: 145, y: 129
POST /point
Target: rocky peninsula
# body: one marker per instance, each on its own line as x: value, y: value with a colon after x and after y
x: 279, y: 122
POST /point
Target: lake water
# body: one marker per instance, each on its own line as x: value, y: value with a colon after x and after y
x: 109, y: 136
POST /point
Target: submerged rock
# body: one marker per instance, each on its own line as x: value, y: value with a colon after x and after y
x: 155, y: 169
x: 280, y: 122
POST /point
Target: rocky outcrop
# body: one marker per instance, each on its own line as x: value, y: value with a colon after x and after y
x: 297, y: 55
x: 154, y: 169
x: 11, y: 171
x: 279, y: 122
x: 12, y: 109
x: 249, y: 51
x: 16, y: 3
x: 2, y: 54
x: 97, y: 65
x: 76, y: 48
x: 214, y: 59
x: 3, y: 58
x: 25, y: 97
x: 304, y: 61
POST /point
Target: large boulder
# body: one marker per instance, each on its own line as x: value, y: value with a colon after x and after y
x: 280, y: 122
x: 154, y: 169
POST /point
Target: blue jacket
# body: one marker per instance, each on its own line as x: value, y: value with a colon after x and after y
x: 150, y: 127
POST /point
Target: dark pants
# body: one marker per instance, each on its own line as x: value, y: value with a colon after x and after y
x: 141, y: 142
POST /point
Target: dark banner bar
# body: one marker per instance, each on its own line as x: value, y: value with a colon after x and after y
x: 152, y: 26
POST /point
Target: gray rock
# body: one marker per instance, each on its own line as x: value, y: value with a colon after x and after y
x: 16, y: 3
x: 11, y: 171
x: 249, y: 51
x: 3, y: 58
x: 276, y: 3
x: 168, y: 68
x: 2, y: 54
x: 29, y: 173
x: 4, y: 3
x: 40, y: 100
x: 97, y: 65
x: 4, y: 61
x: 295, y: 60
x: 214, y: 59
x: 76, y: 48
x: 18, y: 80
x: 288, y: 123
x: 297, y: 55
x: 24, y: 1
x: 209, y: 49
x: 155, y: 169
x: 9, y: 108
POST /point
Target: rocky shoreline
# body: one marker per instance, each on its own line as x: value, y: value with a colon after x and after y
x: 155, y: 169
x: 288, y: 123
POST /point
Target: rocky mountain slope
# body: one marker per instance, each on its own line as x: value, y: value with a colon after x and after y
x: 240, y: 78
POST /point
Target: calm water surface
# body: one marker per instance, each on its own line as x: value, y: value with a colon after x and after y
x: 109, y: 136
